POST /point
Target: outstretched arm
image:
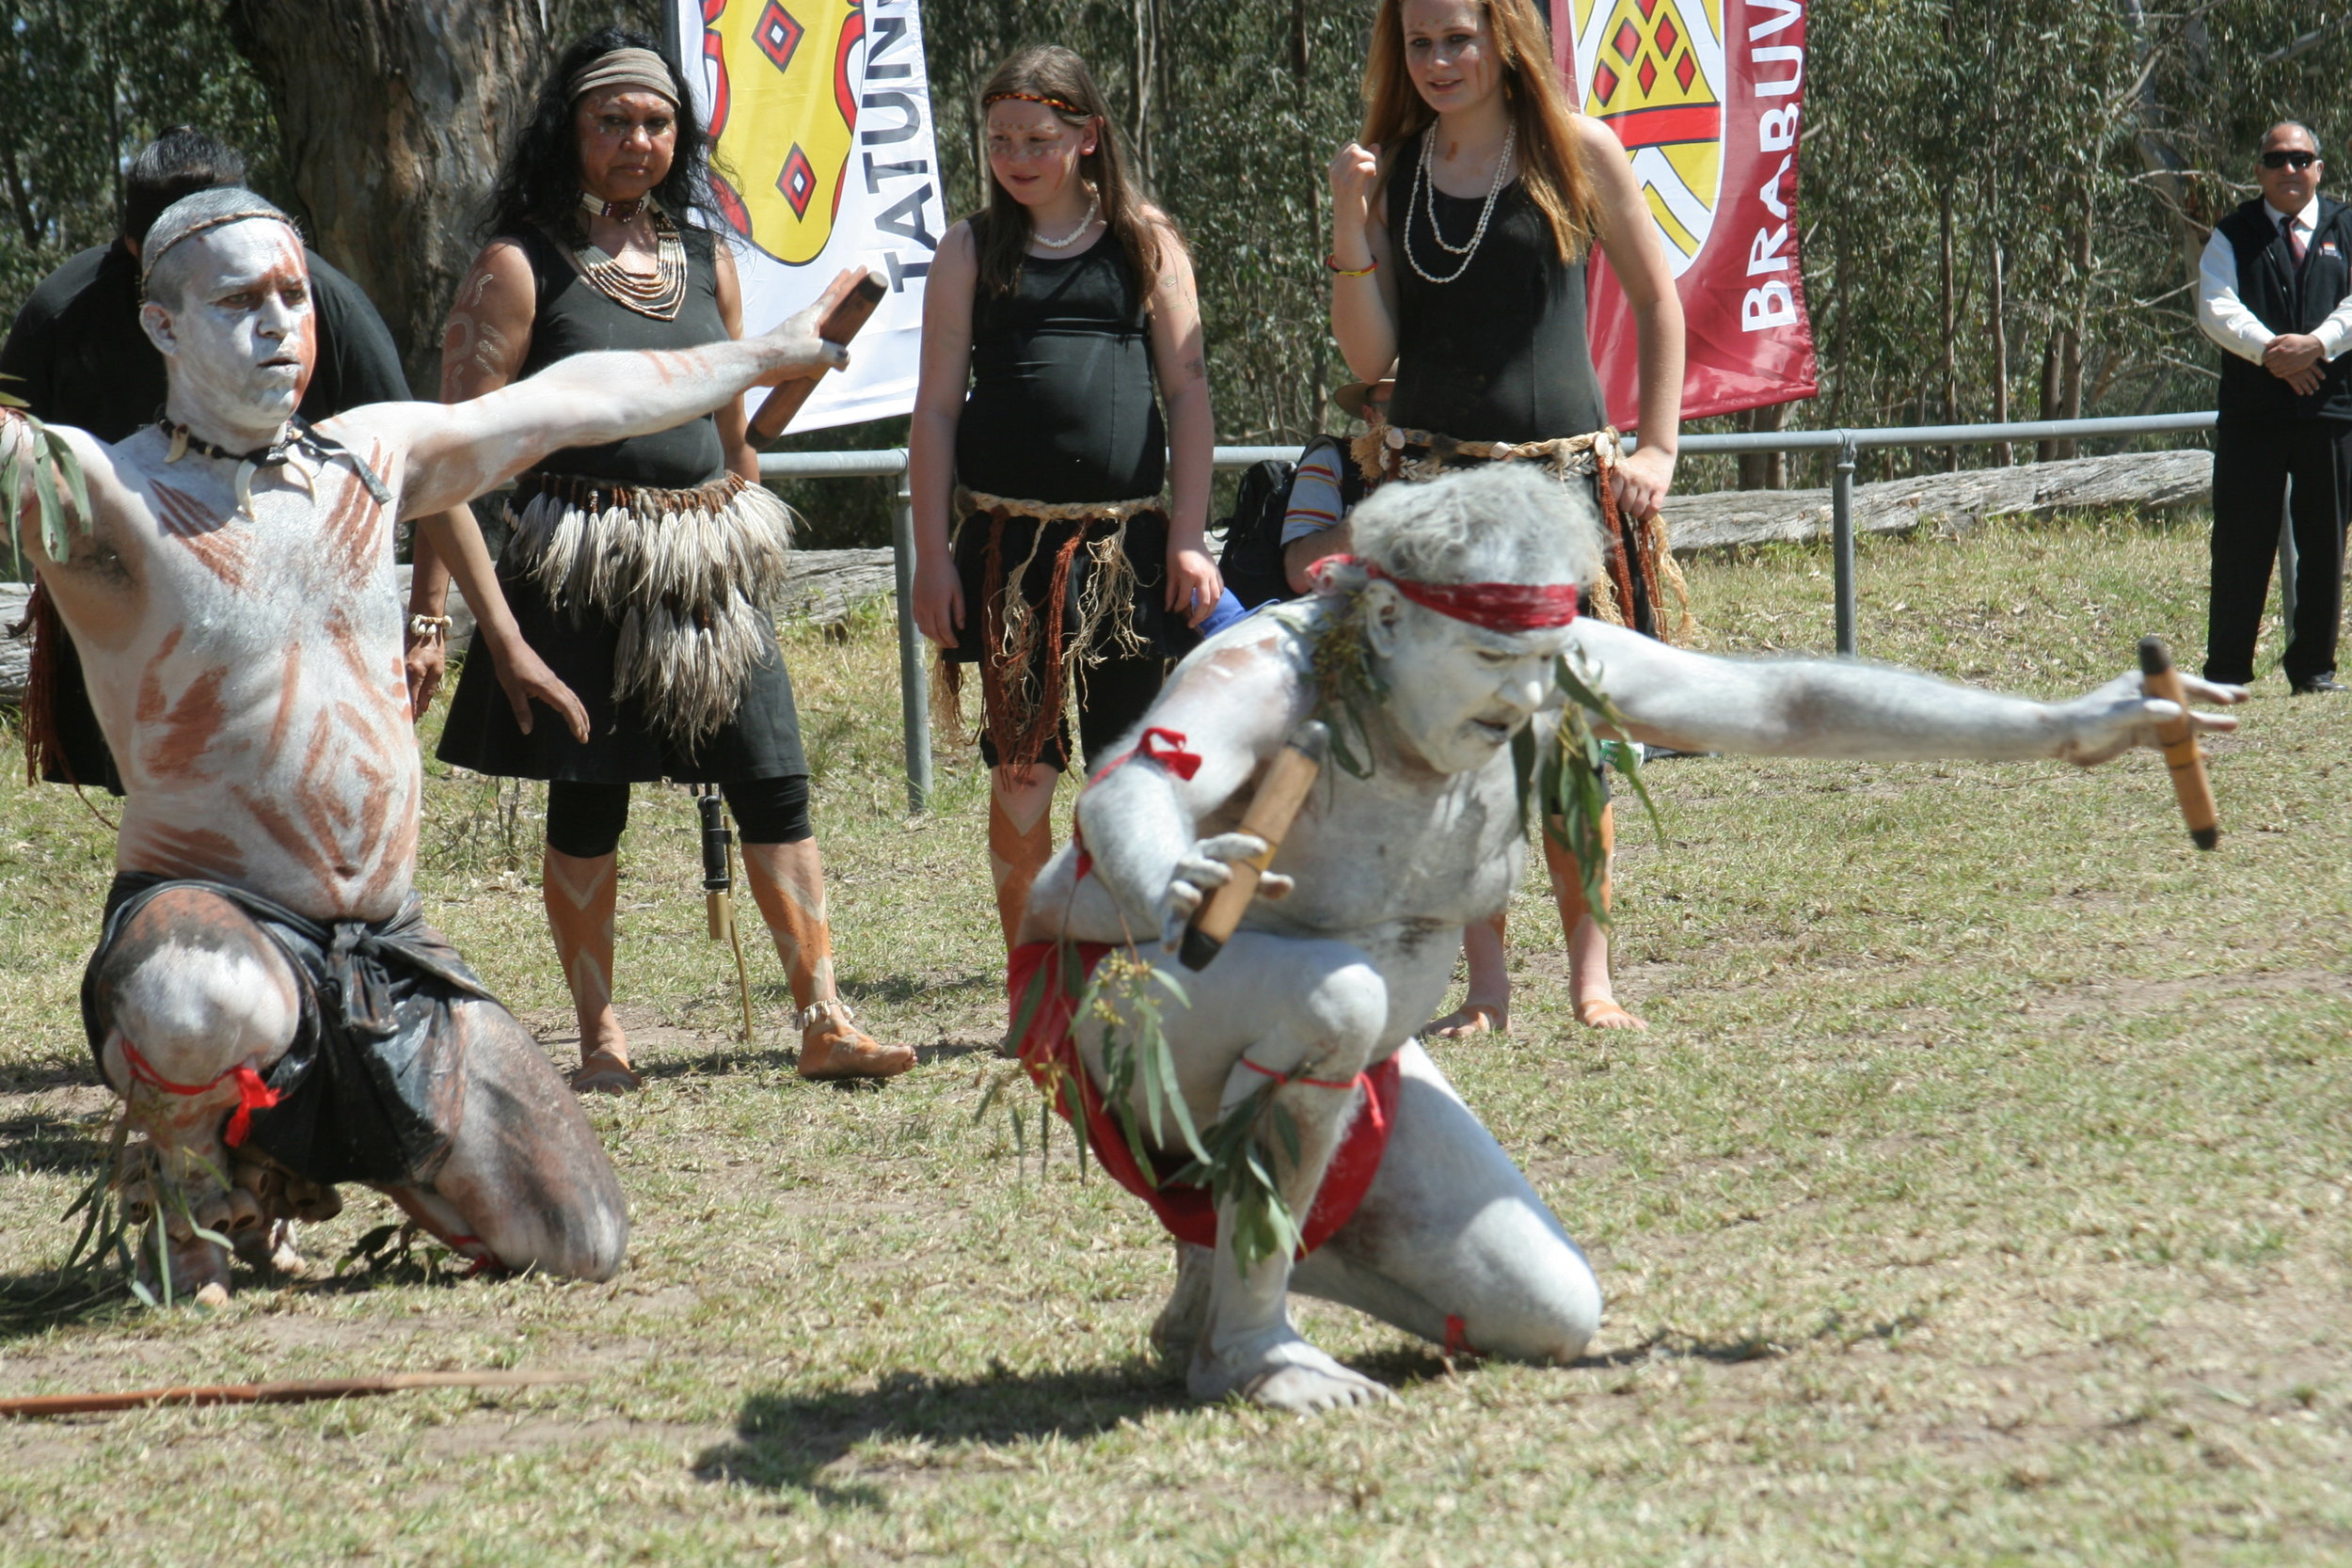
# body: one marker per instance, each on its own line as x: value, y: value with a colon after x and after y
x: 456, y: 453
x: 1840, y: 708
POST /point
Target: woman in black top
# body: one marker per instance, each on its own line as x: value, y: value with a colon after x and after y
x: 1461, y: 222
x: 640, y: 570
x: 1049, y: 320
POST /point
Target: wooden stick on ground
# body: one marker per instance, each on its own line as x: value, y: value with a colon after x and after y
x: 275, y: 1393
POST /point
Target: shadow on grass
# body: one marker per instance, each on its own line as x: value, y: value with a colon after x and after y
x: 785, y: 1442
x: 67, y: 1145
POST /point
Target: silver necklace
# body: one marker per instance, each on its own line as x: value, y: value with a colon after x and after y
x: 1429, y: 204
x: 1094, y: 209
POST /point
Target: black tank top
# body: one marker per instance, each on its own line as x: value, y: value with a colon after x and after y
x: 1062, y: 406
x: 1500, y: 353
x: 575, y: 317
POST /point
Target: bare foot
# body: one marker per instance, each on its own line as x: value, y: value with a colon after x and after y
x: 833, y: 1046
x: 606, y: 1071
x: 1472, y: 1017
x: 196, y: 1265
x: 1282, y: 1371
x: 270, y: 1248
x: 1177, y: 1330
x: 1602, y: 1012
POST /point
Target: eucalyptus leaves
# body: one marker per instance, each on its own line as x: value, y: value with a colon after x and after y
x: 39, y: 461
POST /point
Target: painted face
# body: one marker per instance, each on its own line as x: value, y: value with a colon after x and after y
x: 1449, y: 52
x: 243, y: 338
x: 1033, y: 152
x: 1459, y: 692
x: 628, y: 138
x: 2289, y: 189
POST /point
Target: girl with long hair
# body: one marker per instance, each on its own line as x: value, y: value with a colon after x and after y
x: 641, y: 570
x: 1049, y: 319
x: 1462, y: 219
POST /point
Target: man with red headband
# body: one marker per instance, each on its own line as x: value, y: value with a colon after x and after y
x: 1433, y: 646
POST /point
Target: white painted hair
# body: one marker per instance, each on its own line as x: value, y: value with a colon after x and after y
x: 163, y: 265
x: 1505, y: 522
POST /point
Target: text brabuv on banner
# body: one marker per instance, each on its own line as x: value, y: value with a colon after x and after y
x: 1706, y: 95
x: 823, y: 114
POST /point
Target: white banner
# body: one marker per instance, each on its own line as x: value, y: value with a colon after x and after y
x: 822, y: 113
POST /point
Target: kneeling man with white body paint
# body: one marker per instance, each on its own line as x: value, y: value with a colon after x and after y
x: 266, y: 995
x: 1454, y: 611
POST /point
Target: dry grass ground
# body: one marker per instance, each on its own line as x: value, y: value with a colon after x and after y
x: 1979, y: 1194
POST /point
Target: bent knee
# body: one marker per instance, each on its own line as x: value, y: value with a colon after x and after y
x: 1345, y: 1006
x: 193, y: 983
x: 1546, y: 1309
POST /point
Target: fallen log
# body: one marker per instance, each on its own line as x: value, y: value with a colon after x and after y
x: 1948, y: 503
x: 274, y: 1393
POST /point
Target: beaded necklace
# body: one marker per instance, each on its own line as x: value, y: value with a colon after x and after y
x: 659, y: 295
x: 1429, y: 203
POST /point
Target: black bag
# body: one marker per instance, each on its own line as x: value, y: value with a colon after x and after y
x: 1252, y: 561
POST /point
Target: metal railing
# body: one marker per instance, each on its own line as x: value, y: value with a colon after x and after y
x: 913, y: 689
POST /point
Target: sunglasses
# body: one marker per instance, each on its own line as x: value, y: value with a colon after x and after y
x: 2289, y: 160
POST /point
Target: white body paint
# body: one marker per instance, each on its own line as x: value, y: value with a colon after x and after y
x: 1345, y: 970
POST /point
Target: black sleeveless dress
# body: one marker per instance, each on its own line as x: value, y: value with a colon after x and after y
x: 763, y: 740
x: 1500, y: 353
x: 1064, y: 408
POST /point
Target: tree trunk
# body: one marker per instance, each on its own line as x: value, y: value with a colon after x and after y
x: 1765, y: 471
x: 2071, y: 340
x: 2048, y: 452
x: 1951, y: 326
x: 1997, y: 313
x: 395, y: 115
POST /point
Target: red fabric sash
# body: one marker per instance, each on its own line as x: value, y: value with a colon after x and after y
x: 1185, y: 1211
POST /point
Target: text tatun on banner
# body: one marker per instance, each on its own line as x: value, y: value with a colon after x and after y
x: 1707, y: 96
x: 826, y: 159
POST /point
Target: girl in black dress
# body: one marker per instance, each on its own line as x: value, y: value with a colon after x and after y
x: 641, y: 570
x: 1461, y: 222
x: 1049, y: 318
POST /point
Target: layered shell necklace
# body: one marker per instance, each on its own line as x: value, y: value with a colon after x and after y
x: 657, y: 294
x: 1429, y: 204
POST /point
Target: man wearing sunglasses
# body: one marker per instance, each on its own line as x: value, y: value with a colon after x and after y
x: 2274, y: 290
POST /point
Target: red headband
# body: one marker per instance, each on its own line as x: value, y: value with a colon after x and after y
x: 1065, y: 107
x: 1504, y: 607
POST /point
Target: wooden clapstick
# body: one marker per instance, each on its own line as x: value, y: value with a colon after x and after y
x: 848, y: 301
x: 2180, y: 752
x: 1271, y: 811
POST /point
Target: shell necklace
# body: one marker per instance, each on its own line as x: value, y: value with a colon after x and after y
x: 1094, y: 209
x: 658, y: 296
x: 1429, y: 204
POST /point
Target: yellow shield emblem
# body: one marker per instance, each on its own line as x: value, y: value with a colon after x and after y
x: 784, y: 97
x: 1653, y: 71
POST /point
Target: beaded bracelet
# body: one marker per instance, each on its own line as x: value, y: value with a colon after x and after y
x: 1332, y: 261
x: 429, y: 627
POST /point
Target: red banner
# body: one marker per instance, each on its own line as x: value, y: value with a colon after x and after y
x: 1709, y: 114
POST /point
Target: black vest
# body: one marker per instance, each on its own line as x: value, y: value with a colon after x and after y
x: 2287, y: 298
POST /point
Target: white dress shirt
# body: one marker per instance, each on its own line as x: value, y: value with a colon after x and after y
x: 2225, y: 317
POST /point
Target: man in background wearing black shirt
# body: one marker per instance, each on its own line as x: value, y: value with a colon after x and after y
x: 77, y: 355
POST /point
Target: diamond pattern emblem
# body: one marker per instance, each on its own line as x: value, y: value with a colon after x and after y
x: 1628, y: 42
x: 1604, y: 84
x: 798, y: 181
x: 1685, y: 68
x: 778, y: 35
x: 1647, y: 76
x: 1667, y: 38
